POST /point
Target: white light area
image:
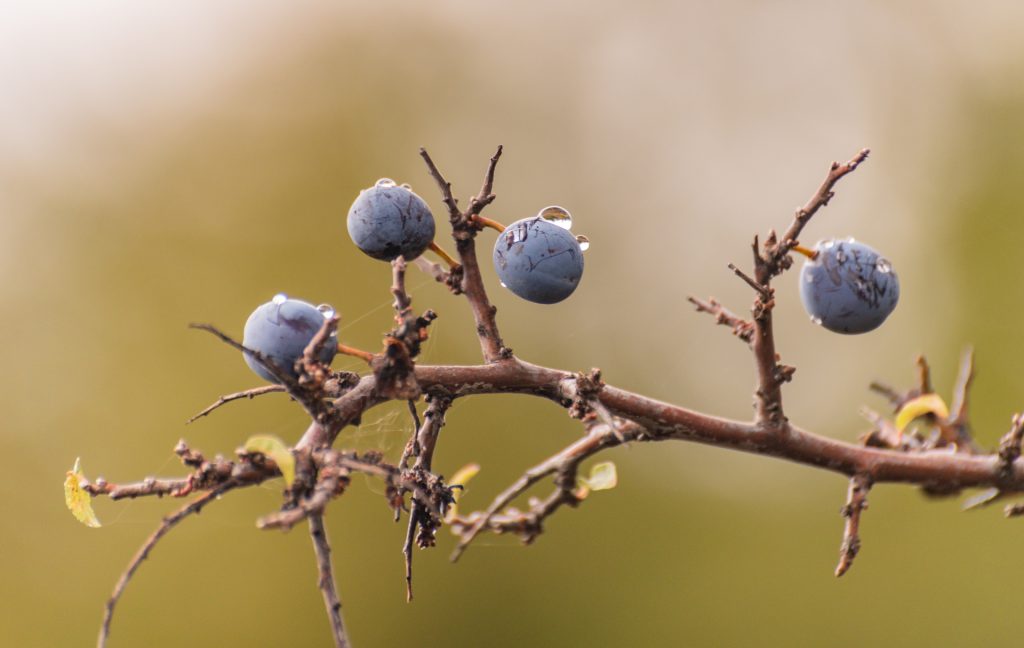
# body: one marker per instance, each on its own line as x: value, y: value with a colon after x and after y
x: 64, y: 63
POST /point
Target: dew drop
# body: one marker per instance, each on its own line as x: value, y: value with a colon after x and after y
x: 816, y: 320
x: 883, y: 266
x: 828, y: 244
x: 850, y: 239
x: 406, y: 185
x: 584, y: 243
x: 327, y: 310
x: 558, y: 215
x: 279, y: 298
x: 385, y: 182
x: 503, y: 284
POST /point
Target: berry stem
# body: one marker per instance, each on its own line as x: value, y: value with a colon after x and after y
x: 365, y: 356
x: 810, y: 254
x: 487, y: 222
x: 447, y: 258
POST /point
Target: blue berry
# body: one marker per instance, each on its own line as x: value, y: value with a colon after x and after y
x: 388, y: 220
x: 280, y: 330
x: 848, y: 287
x: 538, y: 260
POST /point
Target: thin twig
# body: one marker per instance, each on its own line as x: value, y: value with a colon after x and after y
x: 248, y: 393
x: 445, y: 186
x: 325, y: 582
x: 424, y: 444
x: 856, y: 502
x: 464, y: 231
x: 924, y: 376
x: 764, y: 291
x: 563, y: 462
x: 741, y: 328
x: 168, y: 523
x: 820, y: 199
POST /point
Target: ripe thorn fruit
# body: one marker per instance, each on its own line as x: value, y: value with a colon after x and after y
x: 848, y: 287
x: 388, y: 220
x: 280, y: 330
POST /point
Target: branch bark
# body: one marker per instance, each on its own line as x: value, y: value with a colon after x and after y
x: 318, y: 533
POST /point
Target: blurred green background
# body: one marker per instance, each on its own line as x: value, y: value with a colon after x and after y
x: 168, y: 162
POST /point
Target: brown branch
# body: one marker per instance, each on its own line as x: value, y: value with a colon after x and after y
x: 419, y: 517
x: 741, y: 328
x: 486, y: 195
x: 464, y: 231
x: 764, y: 291
x: 820, y: 199
x: 563, y: 464
x: 313, y: 371
x: 331, y: 480
x: 227, y: 398
x: 446, y: 187
x: 769, y: 262
x: 168, y: 523
x: 856, y: 502
x: 207, y: 475
x: 308, y: 388
x: 325, y: 582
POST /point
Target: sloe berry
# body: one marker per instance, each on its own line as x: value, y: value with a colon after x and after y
x: 538, y: 260
x: 280, y: 330
x: 848, y: 287
x: 388, y: 220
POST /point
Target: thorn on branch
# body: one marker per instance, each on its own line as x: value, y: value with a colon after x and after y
x: 856, y: 502
x: 741, y: 328
x: 446, y: 188
x: 308, y: 389
x: 248, y: 393
x: 924, y: 376
x: 765, y: 292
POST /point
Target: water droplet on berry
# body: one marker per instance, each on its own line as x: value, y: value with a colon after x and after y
x: 883, y: 266
x: 384, y: 182
x: 503, y: 284
x: 406, y: 185
x: 558, y: 215
x: 816, y: 320
x: 828, y: 244
x: 850, y: 239
x: 518, y: 232
x: 279, y: 298
x: 584, y: 243
x: 327, y: 310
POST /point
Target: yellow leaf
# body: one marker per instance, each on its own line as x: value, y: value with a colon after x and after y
x: 926, y: 404
x: 78, y: 499
x: 274, y: 448
x: 462, y: 477
x: 602, y: 477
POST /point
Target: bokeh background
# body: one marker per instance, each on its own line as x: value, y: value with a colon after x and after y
x: 168, y: 162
